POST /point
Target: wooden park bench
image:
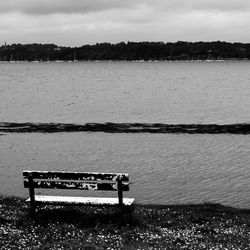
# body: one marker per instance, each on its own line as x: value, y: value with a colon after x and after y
x: 77, y: 180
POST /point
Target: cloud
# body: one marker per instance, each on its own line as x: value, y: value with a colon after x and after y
x: 220, y: 5
x: 44, y: 7
x: 201, y: 5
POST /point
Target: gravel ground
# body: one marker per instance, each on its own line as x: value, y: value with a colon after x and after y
x: 204, y: 226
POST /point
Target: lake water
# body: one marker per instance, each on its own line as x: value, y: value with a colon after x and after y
x: 167, y: 92
x: 164, y: 168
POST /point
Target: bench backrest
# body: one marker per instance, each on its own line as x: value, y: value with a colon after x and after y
x: 76, y: 180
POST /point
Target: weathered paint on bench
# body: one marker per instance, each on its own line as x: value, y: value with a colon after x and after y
x: 77, y: 180
x: 76, y: 185
x: 76, y: 175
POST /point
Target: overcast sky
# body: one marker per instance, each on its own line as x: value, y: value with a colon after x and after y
x: 78, y: 22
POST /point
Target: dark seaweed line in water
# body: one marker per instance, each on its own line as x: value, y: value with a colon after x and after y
x: 8, y: 127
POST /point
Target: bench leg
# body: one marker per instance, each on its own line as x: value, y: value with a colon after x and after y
x: 32, y: 196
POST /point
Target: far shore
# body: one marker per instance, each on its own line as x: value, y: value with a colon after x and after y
x: 203, y: 226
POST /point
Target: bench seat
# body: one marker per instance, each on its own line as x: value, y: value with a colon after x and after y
x: 69, y: 200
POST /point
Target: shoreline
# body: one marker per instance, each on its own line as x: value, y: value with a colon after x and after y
x: 109, y: 127
x: 203, y: 226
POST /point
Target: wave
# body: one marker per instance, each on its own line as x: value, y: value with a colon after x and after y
x: 9, y: 127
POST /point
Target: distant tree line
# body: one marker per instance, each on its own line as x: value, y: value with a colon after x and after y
x: 127, y: 51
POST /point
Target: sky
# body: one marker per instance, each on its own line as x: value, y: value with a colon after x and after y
x: 79, y: 22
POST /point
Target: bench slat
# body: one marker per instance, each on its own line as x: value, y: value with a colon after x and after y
x: 76, y: 185
x: 76, y: 175
x: 93, y: 201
